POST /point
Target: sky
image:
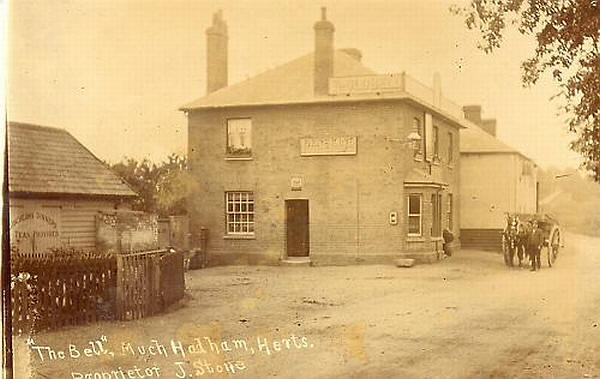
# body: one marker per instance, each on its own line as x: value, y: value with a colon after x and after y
x: 115, y: 72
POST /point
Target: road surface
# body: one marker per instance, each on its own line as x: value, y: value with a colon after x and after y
x: 468, y: 316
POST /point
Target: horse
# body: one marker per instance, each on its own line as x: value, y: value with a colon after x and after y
x: 510, y: 240
x: 522, y: 235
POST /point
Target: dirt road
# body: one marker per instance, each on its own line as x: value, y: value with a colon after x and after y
x: 466, y: 317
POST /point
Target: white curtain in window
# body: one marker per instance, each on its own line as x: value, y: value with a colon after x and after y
x: 239, y: 133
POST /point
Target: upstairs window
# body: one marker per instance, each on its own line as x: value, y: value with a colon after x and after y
x: 239, y: 137
x: 418, y: 128
x: 415, y: 205
x: 436, y: 142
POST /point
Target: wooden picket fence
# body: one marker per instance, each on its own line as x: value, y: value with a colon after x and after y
x: 55, y: 291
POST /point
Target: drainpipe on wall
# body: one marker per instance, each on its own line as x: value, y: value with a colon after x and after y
x: 357, y: 218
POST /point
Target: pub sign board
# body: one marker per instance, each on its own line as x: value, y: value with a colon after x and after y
x: 34, y: 230
x: 328, y: 146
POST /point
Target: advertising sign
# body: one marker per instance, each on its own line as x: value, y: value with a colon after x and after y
x: 34, y: 229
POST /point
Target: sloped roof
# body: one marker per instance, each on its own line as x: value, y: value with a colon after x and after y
x: 473, y: 139
x: 290, y: 82
x: 44, y: 160
x: 293, y: 83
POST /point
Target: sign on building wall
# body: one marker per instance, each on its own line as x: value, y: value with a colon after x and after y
x: 296, y: 184
x: 328, y: 146
x: 366, y: 84
x: 34, y: 230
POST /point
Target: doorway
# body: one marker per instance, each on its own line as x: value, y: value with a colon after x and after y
x: 297, y: 228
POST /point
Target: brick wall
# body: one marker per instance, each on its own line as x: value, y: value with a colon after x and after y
x: 350, y: 197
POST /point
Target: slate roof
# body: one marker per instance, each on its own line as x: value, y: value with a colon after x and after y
x: 473, y: 139
x: 44, y: 160
x: 293, y: 83
x: 290, y: 82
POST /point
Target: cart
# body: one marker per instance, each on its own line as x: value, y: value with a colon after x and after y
x: 551, y: 231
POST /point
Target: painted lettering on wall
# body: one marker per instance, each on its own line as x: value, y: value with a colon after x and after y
x: 34, y: 230
x: 328, y: 146
x: 366, y: 84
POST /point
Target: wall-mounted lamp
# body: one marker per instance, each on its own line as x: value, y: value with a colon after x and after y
x: 413, y: 140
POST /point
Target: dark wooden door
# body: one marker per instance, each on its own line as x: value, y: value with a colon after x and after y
x: 297, y: 228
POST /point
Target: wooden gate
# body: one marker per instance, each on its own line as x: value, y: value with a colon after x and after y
x: 147, y: 282
x: 137, y: 285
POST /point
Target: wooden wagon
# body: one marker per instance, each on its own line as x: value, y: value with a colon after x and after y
x: 551, y: 231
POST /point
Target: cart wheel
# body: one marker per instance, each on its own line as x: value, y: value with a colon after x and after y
x: 552, y: 253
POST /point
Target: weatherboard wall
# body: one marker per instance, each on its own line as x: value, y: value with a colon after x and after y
x: 55, y: 223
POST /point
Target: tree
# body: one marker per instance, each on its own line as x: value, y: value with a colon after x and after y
x: 173, y: 186
x: 162, y: 188
x: 568, y: 46
x: 141, y: 176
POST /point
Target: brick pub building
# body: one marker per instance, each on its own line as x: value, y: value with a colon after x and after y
x: 321, y: 160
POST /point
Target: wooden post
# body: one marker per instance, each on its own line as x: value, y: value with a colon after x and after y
x: 203, y: 246
x: 156, y: 289
x: 119, y: 298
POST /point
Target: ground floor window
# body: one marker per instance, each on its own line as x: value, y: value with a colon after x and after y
x: 436, y: 210
x: 415, y: 206
x: 240, y: 212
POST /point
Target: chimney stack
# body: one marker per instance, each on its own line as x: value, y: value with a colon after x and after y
x: 473, y: 113
x: 489, y: 126
x: 216, y: 54
x: 323, y: 54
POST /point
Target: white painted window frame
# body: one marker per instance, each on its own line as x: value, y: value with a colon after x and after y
x: 234, y: 217
x: 419, y: 215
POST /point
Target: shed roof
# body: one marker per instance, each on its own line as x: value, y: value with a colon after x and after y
x: 45, y: 160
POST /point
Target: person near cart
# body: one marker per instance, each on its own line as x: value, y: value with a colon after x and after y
x: 534, y: 246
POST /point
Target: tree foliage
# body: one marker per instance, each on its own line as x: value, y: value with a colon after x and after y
x: 162, y: 188
x: 568, y: 46
x: 570, y: 198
